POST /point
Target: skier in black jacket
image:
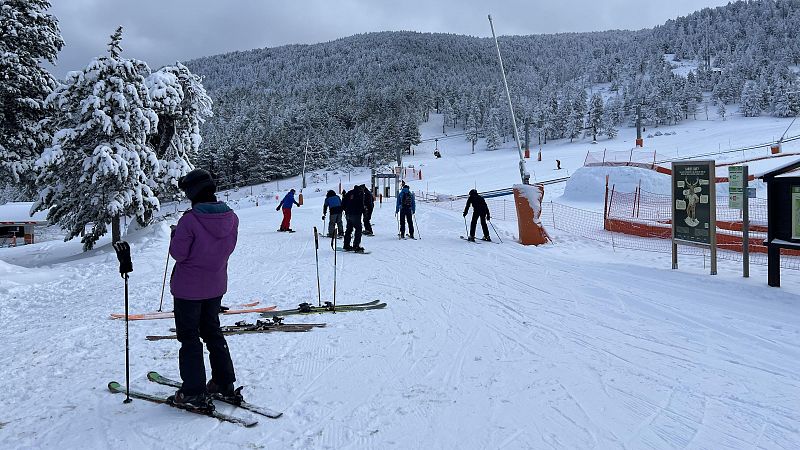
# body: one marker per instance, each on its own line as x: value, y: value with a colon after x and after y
x: 369, y: 205
x: 353, y: 204
x: 479, y: 210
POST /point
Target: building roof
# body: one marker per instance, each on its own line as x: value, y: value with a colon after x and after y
x: 19, y: 212
x: 786, y: 168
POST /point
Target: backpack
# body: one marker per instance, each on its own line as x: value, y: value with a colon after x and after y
x: 406, y: 202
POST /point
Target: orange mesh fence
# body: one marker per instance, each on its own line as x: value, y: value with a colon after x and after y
x: 644, y: 227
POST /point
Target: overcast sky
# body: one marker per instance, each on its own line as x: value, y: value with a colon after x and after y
x: 163, y: 31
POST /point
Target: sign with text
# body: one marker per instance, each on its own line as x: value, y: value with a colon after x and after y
x: 693, y: 195
x: 795, y: 212
x: 736, y: 185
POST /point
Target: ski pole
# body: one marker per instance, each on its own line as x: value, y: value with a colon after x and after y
x: 419, y: 235
x: 335, y: 251
x: 164, y: 282
x: 466, y: 230
x: 399, y: 233
x: 316, y: 252
x: 123, y: 250
x: 495, y: 232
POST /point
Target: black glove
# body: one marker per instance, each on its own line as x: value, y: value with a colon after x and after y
x: 465, y: 214
x: 278, y: 208
x: 488, y: 217
x: 123, y: 250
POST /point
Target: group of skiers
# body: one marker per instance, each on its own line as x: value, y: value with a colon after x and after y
x: 203, y: 240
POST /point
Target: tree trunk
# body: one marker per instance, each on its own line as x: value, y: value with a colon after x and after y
x: 115, y: 230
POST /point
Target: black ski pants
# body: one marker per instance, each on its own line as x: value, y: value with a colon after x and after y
x: 196, y: 319
x: 353, y: 223
x: 474, y: 223
x: 367, y: 221
x: 406, y: 215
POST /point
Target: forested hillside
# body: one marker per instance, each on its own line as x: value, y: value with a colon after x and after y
x: 358, y: 100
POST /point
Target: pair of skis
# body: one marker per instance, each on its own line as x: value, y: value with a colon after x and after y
x: 115, y: 387
x: 241, y: 309
x: 261, y: 326
x: 305, y: 308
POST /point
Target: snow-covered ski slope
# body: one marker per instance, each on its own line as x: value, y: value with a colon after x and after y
x: 481, y: 346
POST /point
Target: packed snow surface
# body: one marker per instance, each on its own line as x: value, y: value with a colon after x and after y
x: 568, y: 345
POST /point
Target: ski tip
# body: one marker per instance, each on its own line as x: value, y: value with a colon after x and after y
x: 153, y: 375
x: 115, y: 387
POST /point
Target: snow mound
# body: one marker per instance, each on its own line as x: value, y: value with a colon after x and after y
x: 587, y: 184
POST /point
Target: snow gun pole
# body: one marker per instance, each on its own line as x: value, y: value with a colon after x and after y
x: 316, y: 253
x: 164, y: 283
x: 495, y: 232
x: 523, y: 170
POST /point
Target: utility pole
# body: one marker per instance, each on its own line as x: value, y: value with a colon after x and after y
x: 305, y: 154
x: 523, y: 170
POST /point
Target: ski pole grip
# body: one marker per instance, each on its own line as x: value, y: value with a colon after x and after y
x: 123, y: 250
x: 316, y: 238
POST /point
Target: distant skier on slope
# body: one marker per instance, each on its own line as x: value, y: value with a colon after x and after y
x: 201, y: 243
x: 369, y: 205
x: 479, y: 210
x: 333, y: 202
x: 286, y: 205
x: 353, y: 204
x: 406, y: 207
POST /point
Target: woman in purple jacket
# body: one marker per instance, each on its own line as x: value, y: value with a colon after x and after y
x: 201, y: 244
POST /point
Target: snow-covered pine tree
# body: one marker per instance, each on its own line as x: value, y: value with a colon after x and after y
x: 721, y: 112
x: 100, y: 166
x: 492, y: 133
x: 182, y: 105
x: 471, y: 132
x: 596, y: 115
x: 28, y: 37
x: 751, y: 99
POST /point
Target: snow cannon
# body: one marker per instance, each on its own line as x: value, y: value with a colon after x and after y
x: 528, y: 201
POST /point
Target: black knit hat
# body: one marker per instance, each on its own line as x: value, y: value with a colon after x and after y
x: 195, y: 182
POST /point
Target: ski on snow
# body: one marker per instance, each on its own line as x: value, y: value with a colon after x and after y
x: 306, y: 308
x: 261, y: 326
x: 117, y: 388
x: 170, y: 314
x: 478, y: 240
x: 340, y: 249
x: 155, y: 377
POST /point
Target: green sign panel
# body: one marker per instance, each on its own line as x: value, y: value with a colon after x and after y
x: 691, y: 185
x: 736, y: 192
x: 795, y: 212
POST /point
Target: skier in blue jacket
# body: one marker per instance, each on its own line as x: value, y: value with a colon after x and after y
x: 286, y: 204
x: 333, y: 202
x: 406, y: 207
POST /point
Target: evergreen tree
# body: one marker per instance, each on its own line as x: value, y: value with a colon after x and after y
x: 28, y: 37
x: 721, y: 112
x: 182, y: 105
x: 751, y: 99
x: 492, y: 133
x: 100, y: 165
x: 472, y: 130
x: 596, y: 115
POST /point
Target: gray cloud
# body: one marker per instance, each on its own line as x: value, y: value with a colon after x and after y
x: 163, y: 31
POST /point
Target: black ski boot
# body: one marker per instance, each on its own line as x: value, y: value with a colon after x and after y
x: 225, y: 392
x: 358, y: 249
x: 487, y: 239
x: 471, y: 238
x: 200, y: 402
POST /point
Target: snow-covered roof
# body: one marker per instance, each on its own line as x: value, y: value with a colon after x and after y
x: 20, y: 212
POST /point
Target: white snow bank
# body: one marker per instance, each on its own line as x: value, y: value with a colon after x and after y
x: 587, y: 184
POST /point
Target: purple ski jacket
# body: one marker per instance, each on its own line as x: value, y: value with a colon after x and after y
x: 201, y: 244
